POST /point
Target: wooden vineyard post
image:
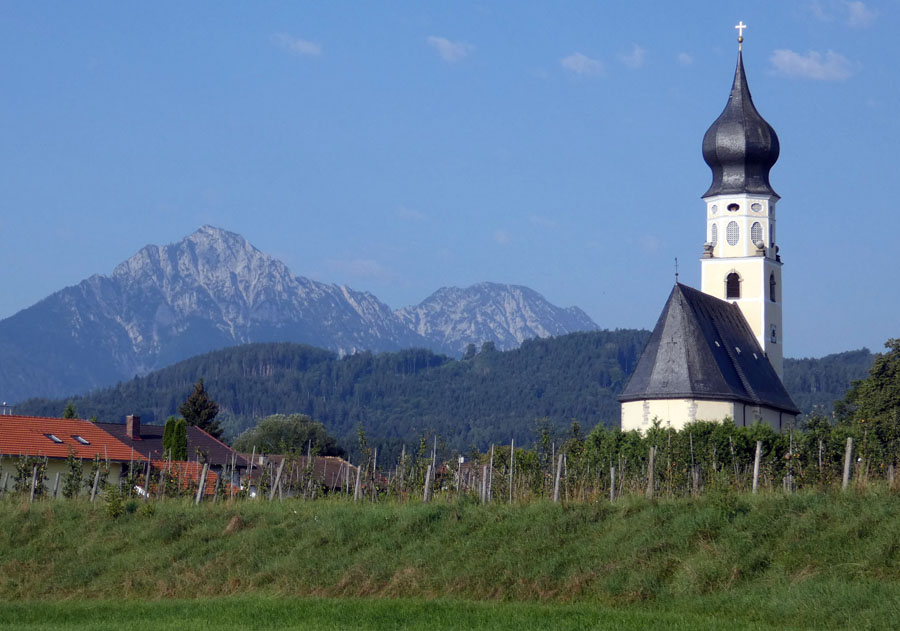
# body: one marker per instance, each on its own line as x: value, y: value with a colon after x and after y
x: 426, y: 493
x: 612, y: 484
x: 820, y: 459
x: 250, y: 470
x: 695, y: 480
x: 848, y: 455
x: 202, y: 486
x: 490, y: 484
x: 484, y: 474
x: 651, y: 457
x: 357, y: 488
x: 96, y: 482
x: 277, y: 480
x: 33, y: 482
x: 890, y: 476
x: 56, y: 486
x: 756, y: 460
x: 512, y: 467
x: 559, y: 466
x: 4, y: 483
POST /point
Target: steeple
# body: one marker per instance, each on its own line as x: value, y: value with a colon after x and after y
x: 741, y: 261
x: 740, y: 146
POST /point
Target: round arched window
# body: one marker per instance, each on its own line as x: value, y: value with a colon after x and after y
x: 732, y: 233
x: 756, y: 233
x: 714, y: 209
x: 732, y: 286
x: 714, y: 234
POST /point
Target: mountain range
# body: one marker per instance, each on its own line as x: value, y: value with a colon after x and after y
x: 214, y: 289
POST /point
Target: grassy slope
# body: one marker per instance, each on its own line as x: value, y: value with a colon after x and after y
x: 807, y: 560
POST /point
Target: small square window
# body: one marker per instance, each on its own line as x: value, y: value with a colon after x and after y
x: 81, y: 439
x: 56, y: 439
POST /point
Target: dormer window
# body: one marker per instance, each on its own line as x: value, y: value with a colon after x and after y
x: 81, y: 439
x: 733, y: 208
x: 56, y: 439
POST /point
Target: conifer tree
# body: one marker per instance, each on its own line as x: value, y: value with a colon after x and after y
x: 201, y: 411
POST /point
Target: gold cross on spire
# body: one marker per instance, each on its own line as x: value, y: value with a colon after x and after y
x: 740, y: 29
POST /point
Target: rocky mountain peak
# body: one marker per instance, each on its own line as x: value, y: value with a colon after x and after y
x: 214, y: 289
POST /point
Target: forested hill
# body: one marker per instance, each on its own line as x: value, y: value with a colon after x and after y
x: 490, y: 396
x: 398, y: 396
x: 815, y: 384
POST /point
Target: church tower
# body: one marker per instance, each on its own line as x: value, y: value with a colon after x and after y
x: 715, y: 353
x: 740, y: 261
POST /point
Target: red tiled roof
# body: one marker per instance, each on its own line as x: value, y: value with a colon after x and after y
x: 186, y: 472
x: 28, y: 435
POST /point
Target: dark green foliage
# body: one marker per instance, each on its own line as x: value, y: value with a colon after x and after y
x: 101, y: 465
x: 70, y: 412
x: 73, y: 477
x: 815, y: 384
x: 285, y: 434
x: 871, y: 410
x: 489, y: 397
x: 198, y: 409
x: 168, y: 434
x: 396, y: 396
x: 175, y: 439
x: 28, y: 467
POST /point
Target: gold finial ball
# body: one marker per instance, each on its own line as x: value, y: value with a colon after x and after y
x: 740, y: 39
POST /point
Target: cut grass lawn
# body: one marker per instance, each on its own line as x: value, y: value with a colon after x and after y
x: 325, y: 614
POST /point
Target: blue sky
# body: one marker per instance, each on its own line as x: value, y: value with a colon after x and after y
x: 401, y: 147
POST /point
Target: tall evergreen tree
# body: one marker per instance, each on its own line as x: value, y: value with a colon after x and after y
x: 201, y: 411
x: 70, y: 412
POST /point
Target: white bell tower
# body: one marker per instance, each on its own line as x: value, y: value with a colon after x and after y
x: 740, y: 261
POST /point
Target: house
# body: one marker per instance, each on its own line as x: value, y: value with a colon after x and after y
x: 147, y: 440
x: 23, y: 437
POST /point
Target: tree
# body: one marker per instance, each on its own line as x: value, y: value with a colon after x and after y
x: 70, y: 412
x: 73, y: 475
x: 201, y: 411
x: 292, y: 433
x: 175, y: 438
x: 872, y: 405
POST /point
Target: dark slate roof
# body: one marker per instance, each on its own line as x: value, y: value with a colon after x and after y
x: 149, y: 445
x: 703, y: 348
x: 740, y: 146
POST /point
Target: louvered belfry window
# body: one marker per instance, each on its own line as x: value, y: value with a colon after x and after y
x: 732, y: 233
x: 732, y: 286
x: 772, y: 287
x: 756, y: 233
x: 714, y: 234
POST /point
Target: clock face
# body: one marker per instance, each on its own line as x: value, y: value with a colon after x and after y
x: 756, y: 207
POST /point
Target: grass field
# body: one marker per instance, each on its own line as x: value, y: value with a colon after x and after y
x: 808, y: 560
x: 818, y: 606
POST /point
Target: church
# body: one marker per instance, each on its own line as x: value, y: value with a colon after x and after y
x: 717, y: 353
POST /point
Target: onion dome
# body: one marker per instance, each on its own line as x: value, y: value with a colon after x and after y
x: 740, y: 147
